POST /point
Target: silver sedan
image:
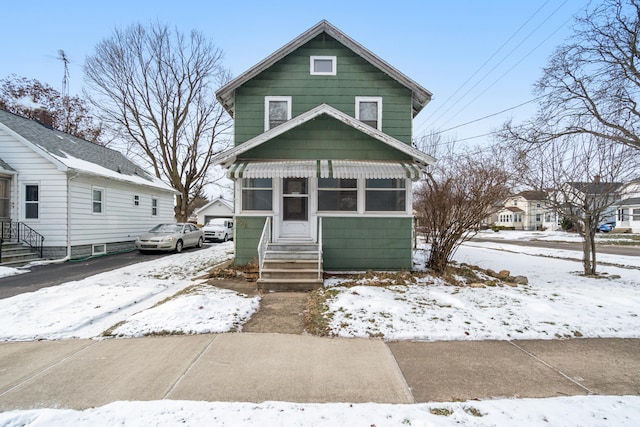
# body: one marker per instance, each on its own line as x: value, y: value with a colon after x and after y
x: 170, y: 237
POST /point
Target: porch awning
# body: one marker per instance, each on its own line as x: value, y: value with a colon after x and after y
x: 325, y: 169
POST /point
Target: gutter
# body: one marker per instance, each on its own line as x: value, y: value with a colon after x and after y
x: 68, y: 257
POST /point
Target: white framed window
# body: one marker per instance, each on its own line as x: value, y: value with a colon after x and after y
x: 154, y: 206
x: 136, y: 200
x: 100, y: 249
x: 277, y: 110
x: 257, y: 194
x: 31, y: 201
x: 369, y: 110
x: 337, y: 194
x: 323, y: 65
x: 635, y: 216
x: 384, y: 195
x: 97, y: 197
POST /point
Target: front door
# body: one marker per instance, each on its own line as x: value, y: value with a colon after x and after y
x: 295, y: 209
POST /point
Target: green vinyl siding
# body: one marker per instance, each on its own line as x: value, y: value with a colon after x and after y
x: 291, y: 77
x: 248, y: 230
x: 324, y: 138
x: 373, y: 243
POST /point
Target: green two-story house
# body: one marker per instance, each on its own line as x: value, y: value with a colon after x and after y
x: 322, y: 160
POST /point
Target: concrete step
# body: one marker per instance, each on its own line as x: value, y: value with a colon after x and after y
x: 278, y: 285
x: 16, y: 255
x: 291, y: 264
x: 291, y: 247
x: 291, y: 255
x: 289, y: 274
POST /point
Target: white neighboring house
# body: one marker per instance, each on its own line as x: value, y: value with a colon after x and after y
x: 83, y: 198
x: 628, y: 207
x: 217, y: 208
x: 526, y: 210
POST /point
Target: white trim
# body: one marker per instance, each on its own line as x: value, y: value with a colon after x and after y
x: 267, y: 100
x: 98, y: 252
x: 420, y: 96
x: 378, y: 100
x: 334, y: 65
x: 228, y: 157
x: 103, y: 195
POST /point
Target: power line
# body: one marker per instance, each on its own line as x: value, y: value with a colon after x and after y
x: 485, y: 63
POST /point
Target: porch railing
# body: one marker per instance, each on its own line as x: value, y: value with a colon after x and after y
x: 265, y: 239
x: 21, y: 232
x: 319, y: 248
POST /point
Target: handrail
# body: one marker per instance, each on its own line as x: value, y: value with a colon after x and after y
x: 319, y: 247
x: 22, y: 233
x: 265, y: 239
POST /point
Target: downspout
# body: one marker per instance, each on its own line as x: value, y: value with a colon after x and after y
x: 68, y: 257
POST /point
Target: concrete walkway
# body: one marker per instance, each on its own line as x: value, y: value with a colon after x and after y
x: 251, y: 367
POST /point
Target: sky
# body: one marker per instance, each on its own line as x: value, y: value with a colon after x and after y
x: 478, y: 58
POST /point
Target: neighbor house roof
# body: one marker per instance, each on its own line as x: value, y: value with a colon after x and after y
x: 71, y: 153
x: 227, y: 158
x: 420, y: 96
x: 5, y: 168
x: 533, y: 195
x: 633, y: 201
x: 224, y: 202
x: 595, y: 188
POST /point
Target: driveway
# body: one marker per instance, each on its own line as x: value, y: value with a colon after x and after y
x: 54, y: 274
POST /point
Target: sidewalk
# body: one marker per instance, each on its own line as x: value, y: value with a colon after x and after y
x: 247, y: 367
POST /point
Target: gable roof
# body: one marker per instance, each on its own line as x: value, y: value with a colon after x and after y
x: 226, y: 158
x: 532, y: 195
x: 68, y: 152
x: 595, y: 188
x: 6, y: 168
x: 420, y: 95
x: 220, y: 200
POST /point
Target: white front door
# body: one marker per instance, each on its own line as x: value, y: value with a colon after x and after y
x: 294, y: 219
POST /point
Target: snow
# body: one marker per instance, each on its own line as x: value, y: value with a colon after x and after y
x: 557, y: 302
x: 565, y: 411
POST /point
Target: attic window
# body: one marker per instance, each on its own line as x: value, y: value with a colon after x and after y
x: 323, y: 65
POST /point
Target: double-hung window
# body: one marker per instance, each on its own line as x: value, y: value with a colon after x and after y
x: 154, y: 206
x: 323, y: 66
x: 31, y: 201
x: 97, y: 200
x: 369, y: 110
x: 257, y: 194
x: 385, y: 195
x: 635, y: 216
x: 335, y: 194
x: 277, y: 110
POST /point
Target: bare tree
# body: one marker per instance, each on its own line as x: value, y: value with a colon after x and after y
x: 581, y: 175
x: 29, y: 98
x: 592, y: 83
x: 155, y: 87
x: 462, y: 189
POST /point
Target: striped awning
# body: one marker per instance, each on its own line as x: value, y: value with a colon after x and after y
x: 325, y: 169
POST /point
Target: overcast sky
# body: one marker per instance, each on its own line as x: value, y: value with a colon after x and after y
x: 478, y: 58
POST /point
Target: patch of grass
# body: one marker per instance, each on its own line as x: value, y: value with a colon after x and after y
x: 445, y: 412
x: 473, y: 411
x: 316, y: 320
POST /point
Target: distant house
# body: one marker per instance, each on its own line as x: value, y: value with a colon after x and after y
x: 322, y: 156
x: 82, y: 198
x: 628, y: 208
x: 527, y: 210
x: 217, y: 208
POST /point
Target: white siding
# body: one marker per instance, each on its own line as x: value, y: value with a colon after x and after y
x: 120, y: 219
x: 34, y: 169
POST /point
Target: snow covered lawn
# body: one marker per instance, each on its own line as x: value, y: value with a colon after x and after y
x: 87, y: 308
x: 581, y: 411
x: 557, y: 302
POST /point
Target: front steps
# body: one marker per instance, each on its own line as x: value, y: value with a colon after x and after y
x: 291, y: 267
x: 16, y: 255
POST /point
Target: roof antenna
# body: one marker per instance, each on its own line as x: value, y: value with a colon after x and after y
x: 62, y: 56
